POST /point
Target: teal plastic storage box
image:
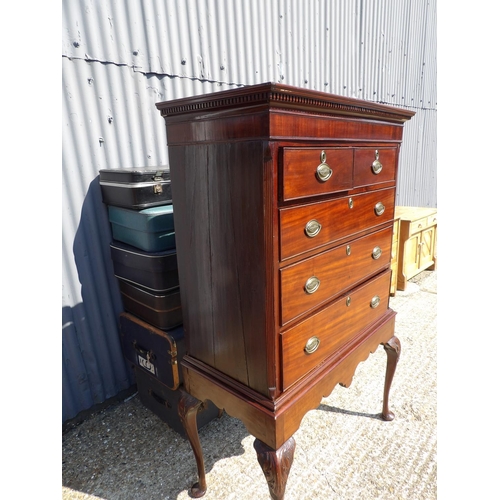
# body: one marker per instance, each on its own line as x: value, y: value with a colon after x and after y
x: 150, y: 229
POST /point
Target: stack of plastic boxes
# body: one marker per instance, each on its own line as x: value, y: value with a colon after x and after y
x: 143, y: 253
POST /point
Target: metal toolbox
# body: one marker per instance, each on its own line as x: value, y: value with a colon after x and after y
x: 163, y: 402
x: 154, y: 271
x: 152, y: 350
x: 136, y: 188
x: 150, y: 229
x: 162, y: 310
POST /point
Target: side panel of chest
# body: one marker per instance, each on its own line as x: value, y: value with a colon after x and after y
x: 219, y: 194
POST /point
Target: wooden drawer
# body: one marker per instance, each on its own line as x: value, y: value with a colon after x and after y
x: 423, y: 223
x: 335, y: 271
x: 314, y: 225
x: 333, y: 327
x: 365, y: 173
x: 315, y: 171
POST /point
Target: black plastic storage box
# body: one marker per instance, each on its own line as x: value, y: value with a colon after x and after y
x: 136, y: 188
x: 155, y: 271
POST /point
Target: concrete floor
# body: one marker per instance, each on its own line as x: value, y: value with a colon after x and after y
x: 343, y: 449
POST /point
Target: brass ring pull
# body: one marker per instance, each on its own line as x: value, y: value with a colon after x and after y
x: 379, y: 208
x: 376, y: 253
x: 313, y: 227
x: 312, y: 345
x: 312, y: 285
x: 375, y: 302
x: 376, y: 165
x: 323, y: 171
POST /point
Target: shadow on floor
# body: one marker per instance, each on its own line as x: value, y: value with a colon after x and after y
x: 124, y: 452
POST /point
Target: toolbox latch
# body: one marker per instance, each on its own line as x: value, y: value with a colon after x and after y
x: 158, y: 177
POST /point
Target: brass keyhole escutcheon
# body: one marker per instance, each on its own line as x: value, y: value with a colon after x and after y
x: 323, y: 171
x: 376, y: 165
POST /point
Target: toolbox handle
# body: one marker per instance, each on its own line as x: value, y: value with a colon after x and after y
x: 149, y: 355
x: 159, y: 399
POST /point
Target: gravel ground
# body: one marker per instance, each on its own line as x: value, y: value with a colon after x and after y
x: 344, y: 450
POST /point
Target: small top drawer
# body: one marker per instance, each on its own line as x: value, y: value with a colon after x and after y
x: 423, y: 223
x: 374, y: 165
x: 315, y: 171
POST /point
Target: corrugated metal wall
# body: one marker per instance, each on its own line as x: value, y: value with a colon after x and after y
x: 119, y: 58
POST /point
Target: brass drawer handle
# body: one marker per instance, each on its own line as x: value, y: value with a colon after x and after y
x: 313, y: 227
x: 350, y: 203
x: 376, y: 253
x: 323, y: 172
x: 379, y: 208
x: 375, y: 302
x: 312, y: 345
x: 312, y: 284
x: 376, y: 165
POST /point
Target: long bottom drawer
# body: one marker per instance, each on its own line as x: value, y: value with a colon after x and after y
x: 309, y: 343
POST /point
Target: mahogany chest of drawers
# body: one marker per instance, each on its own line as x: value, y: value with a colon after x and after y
x: 284, y: 211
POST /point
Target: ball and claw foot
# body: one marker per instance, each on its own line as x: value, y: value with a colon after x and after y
x: 276, y: 465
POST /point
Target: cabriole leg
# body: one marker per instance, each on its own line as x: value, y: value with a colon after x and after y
x: 276, y: 465
x: 188, y: 407
x: 393, y: 350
